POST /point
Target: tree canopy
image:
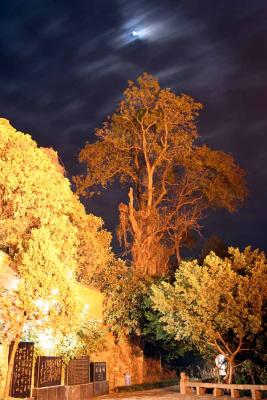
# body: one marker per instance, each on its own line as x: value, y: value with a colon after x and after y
x: 34, y: 193
x: 150, y: 145
x: 217, y: 305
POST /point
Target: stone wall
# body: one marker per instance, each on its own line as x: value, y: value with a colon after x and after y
x: 121, y: 358
x: 125, y: 358
x: 154, y: 371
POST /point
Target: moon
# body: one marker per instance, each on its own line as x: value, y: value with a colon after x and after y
x: 134, y: 34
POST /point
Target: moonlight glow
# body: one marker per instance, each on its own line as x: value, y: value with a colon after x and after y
x: 135, y: 34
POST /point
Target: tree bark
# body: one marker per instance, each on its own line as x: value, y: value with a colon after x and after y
x: 230, y: 372
x: 10, y: 366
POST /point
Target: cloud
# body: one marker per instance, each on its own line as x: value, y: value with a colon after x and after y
x: 95, y: 69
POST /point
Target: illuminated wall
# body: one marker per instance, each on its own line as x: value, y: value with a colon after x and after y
x: 92, y: 298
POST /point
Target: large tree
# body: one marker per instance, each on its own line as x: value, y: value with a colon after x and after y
x: 149, y: 145
x: 46, y: 236
x: 218, y: 305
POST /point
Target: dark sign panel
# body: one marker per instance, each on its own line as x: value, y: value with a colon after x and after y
x: 47, y: 371
x: 22, y: 371
x: 98, y: 371
x: 77, y: 371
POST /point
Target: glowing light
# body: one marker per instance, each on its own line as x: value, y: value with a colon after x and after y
x: 134, y: 33
x: 55, y: 291
x: 46, y: 340
x: 43, y: 305
x: 70, y: 274
x: 85, y: 309
x: 13, y: 283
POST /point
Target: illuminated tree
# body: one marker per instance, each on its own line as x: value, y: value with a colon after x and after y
x: 42, y: 231
x: 149, y: 145
x: 217, y: 305
x: 94, y: 251
x: 43, y: 299
x: 85, y: 337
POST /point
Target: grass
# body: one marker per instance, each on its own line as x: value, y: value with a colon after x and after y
x: 147, y: 386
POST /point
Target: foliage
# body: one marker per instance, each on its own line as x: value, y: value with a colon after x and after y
x: 88, y: 338
x: 249, y: 372
x: 94, y: 251
x: 92, y: 335
x: 35, y: 194
x: 43, y: 229
x: 218, y: 304
x: 149, y: 145
x: 252, y: 368
x: 156, y: 339
x: 106, y: 276
x: 124, y: 292
x: 123, y: 312
x: 128, y: 311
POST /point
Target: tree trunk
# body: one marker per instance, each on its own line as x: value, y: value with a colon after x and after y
x: 150, y: 192
x: 230, y: 372
x: 178, y: 256
x: 12, y: 357
x: 150, y: 258
x: 10, y: 366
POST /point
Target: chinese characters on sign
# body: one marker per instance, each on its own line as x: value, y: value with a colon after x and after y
x: 48, y: 371
x: 77, y: 371
x: 98, y: 371
x: 22, y: 372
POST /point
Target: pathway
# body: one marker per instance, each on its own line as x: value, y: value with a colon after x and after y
x: 170, y: 393
x: 166, y: 394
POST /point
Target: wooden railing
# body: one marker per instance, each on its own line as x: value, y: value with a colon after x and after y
x: 200, y: 388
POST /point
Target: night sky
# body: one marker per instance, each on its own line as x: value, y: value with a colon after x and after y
x: 65, y: 63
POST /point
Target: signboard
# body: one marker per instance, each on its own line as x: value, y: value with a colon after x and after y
x: 77, y: 371
x: 20, y: 386
x: 98, y: 371
x: 47, y: 371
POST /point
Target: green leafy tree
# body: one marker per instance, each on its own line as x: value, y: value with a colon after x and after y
x: 217, y: 305
x: 123, y: 305
x: 149, y: 146
x: 128, y: 311
x: 156, y: 340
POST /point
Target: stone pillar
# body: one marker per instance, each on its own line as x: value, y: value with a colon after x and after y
x: 234, y: 393
x: 217, y: 392
x: 200, y: 390
x: 256, y: 394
